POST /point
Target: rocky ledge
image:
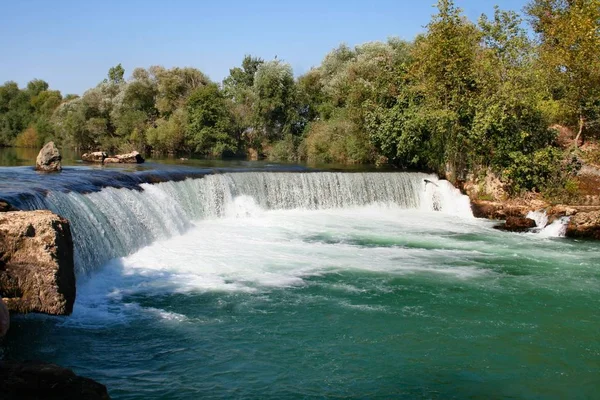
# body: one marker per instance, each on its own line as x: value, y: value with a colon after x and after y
x: 585, y: 225
x: 39, y: 380
x: 37, y: 273
x: 103, y: 158
x: 584, y: 220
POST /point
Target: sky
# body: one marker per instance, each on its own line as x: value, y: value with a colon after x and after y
x: 72, y: 44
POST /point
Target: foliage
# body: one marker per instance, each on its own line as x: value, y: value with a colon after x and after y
x: 570, y: 54
x: 462, y: 98
x: 210, y: 124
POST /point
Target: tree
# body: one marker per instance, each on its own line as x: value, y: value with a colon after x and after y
x: 443, y: 73
x: 569, y: 35
x: 275, y: 109
x: 116, y: 74
x: 240, y: 80
x: 209, y: 129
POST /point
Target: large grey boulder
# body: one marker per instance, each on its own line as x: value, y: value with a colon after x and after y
x: 48, y: 159
x: 37, y: 273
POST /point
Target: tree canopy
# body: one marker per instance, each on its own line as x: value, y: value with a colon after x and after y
x: 461, y: 98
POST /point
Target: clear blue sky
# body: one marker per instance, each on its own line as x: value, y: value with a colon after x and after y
x: 72, y: 44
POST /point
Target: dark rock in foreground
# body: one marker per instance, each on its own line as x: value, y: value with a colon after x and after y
x: 517, y: 224
x: 39, y: 380
x: 37, y: 273
x: 48, y: 159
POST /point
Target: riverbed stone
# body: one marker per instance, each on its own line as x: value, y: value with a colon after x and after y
x: 48, y: 159
x: 517, y: 224
x: 37, y: 272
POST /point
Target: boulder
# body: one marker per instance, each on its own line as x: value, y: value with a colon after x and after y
x: 39, y: 380
x: 36, y: 262
x: 130, y: 158
x: 4, y: 319
x: 111, y: 160
x: 48, y: 159
x: 96, y: 156
x: 584, y: 224
x: 517, y: 224
x: 5, y: 206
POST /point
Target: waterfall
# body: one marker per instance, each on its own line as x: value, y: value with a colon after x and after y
x: 558, y: 228
x: 114, y: 222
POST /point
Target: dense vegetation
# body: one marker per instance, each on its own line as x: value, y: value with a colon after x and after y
x: 461, y: 98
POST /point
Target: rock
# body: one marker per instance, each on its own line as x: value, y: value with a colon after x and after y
x: 39, y: 380
x: 489, y: 187
x: 584, y: 224
x: 111, y: 160
x: 36, y: 262
x: 4, y: 319
x: 517, y: 224
x: 497, y: 209
x: 5, y: 207
x: 48, y: 159
x: 130, y: 158
x: 96, y: 156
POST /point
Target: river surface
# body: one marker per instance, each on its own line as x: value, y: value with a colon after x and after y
x: 283, y: 283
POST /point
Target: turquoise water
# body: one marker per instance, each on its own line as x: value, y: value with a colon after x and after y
x: 361, y: 302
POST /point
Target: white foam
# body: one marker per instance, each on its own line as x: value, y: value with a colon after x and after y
x: 558, y: 228
x: 540, y: 218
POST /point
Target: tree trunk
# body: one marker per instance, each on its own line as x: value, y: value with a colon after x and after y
x: 581, y: 125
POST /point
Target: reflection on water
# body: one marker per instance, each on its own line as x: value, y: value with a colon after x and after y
x: 13, y: 156
x: 18, y: 156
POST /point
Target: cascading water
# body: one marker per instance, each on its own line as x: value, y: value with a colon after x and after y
x: 115, y: 222
x: 558, y: 228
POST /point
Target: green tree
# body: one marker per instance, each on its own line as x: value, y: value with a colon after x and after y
x: 275, y: 107
x: 569, y: 35
x: 444, y: 77
x: 210, y: 127
x: 116, y: 74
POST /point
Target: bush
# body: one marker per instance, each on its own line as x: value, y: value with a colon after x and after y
x: 336, y: 141
x: 28, y: 138
x: 535, y: 171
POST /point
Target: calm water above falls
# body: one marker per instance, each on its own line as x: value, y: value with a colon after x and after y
x: 271, y: 285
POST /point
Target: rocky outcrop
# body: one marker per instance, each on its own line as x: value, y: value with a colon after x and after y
x: 36, y: 262
x: 584, y: 225
x: 48, y: 159
x: 101, y: 157
x: 39, y: 380
x: 4, y: 319
x: 517, y: 224
x: 503, y: 209
x: 96, y: 156
x: 130, y: 158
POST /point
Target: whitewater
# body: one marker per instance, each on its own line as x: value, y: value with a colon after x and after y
x: 316, y: 285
